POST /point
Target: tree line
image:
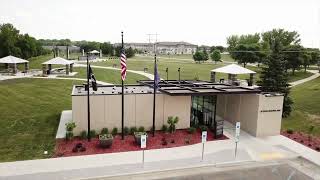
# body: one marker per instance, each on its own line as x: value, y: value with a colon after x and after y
x: 278, y: 51
x: 19, y: 45
x: 107, y: 48
x: 254, y: 48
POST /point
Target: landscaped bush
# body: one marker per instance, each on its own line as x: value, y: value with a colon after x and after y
x: 114, y: 131
x: 133, y: 130
x: 290, y: 131
x: 126, y: 130
x: 83, y: 134
x: 141, y: 129
x: 164, y: 128
x: 192, y: 130
x: 105, y: 140
x: 104, y: 131
x: 93, y: 133
x: 69, y: 130
x: 203, y: 128
x: 172, y: 121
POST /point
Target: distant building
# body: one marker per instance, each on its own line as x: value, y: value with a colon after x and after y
x: 63, y: 48
x: 163, y: 47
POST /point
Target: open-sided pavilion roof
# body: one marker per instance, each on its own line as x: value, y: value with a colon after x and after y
x: 59, y: 61
x: 12, y: 60
x: 233, y: 69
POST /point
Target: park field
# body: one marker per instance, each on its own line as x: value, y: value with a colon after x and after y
x: 30, y: 116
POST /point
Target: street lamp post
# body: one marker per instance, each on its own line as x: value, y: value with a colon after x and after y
x: 167, y: 71
x: 179, y: 74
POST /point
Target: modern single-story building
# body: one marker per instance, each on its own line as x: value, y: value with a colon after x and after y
x: 194, y: 102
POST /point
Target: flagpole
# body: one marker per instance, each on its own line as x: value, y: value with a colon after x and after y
x: 122, y: 113
x: 88, y: 99
x: 154, y: 96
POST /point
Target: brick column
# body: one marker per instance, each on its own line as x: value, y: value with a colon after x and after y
x: 15, y: 68
x: 251, y: 80
x: 67, y: 69
x: 26, y: 67
x: 71, y: 68
x: 213, y: 77
x: 44, y: 69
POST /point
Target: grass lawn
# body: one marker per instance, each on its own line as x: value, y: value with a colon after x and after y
x: 189, y: 70
x: 109, y: 76
x: 30, y: 114
x: 299, y: 75
x: 306, y: 108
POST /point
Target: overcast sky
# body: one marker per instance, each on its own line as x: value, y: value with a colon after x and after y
x: 206, y: 22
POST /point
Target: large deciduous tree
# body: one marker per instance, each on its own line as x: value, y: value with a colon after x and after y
x: 215, y: 56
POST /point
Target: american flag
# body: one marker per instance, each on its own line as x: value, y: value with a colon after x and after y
x: 123, y: 61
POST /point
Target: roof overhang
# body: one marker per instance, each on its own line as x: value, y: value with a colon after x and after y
x: 201, y: 88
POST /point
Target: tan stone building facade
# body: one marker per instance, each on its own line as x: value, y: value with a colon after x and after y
x: 204, y: 104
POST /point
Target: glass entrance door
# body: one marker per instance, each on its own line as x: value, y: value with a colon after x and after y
x: 203, y: 110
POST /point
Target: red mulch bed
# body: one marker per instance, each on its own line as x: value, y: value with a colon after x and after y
x: 309, y: 141
x: 64, y: 148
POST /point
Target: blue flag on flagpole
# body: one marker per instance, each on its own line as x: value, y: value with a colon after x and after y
x: 156, y: 76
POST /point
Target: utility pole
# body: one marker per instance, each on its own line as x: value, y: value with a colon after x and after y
x: 153, y: 39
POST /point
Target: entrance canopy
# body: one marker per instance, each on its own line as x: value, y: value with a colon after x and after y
x: 58, y: 61
x: 233, y: 69
x: 12, y: 60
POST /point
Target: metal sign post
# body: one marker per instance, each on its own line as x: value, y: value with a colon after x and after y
x: 203, y: 140
x: 143, y: 145
x: 237, y: 138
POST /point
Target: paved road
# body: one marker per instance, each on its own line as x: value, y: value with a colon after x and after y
x: 277, y: 170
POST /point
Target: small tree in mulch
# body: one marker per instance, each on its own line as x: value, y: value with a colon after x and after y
x: 69, y: 130
x: 172, y: 121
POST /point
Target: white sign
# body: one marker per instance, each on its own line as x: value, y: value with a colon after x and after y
x: 143, y: 140
x: 204, y: 137
x: 237, y: 131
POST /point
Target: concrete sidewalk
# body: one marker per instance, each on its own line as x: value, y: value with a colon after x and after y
x: 215, y: 152
x: 315, y: 75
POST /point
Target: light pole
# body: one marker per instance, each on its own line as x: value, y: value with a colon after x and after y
x: 167, y: 71
x: 179, y: 74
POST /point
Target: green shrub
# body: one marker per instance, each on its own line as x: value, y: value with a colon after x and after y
x: 70, y: 126
x: 172, y: 121
x: 114, y: 131
x: 290, y: 131
x: 93, y: 133
x: 132, y: 130
x: 104, y: 131
x: 83, y: 134
x: 141, y: 129
x: 203, y: 128
x: 192, y: 130
x: 126, y: 130
x: 69, y: 135
x: 164, y: 128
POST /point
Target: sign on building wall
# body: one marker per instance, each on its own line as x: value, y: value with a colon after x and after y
x: 143, y: 140
x: 204, y: 136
